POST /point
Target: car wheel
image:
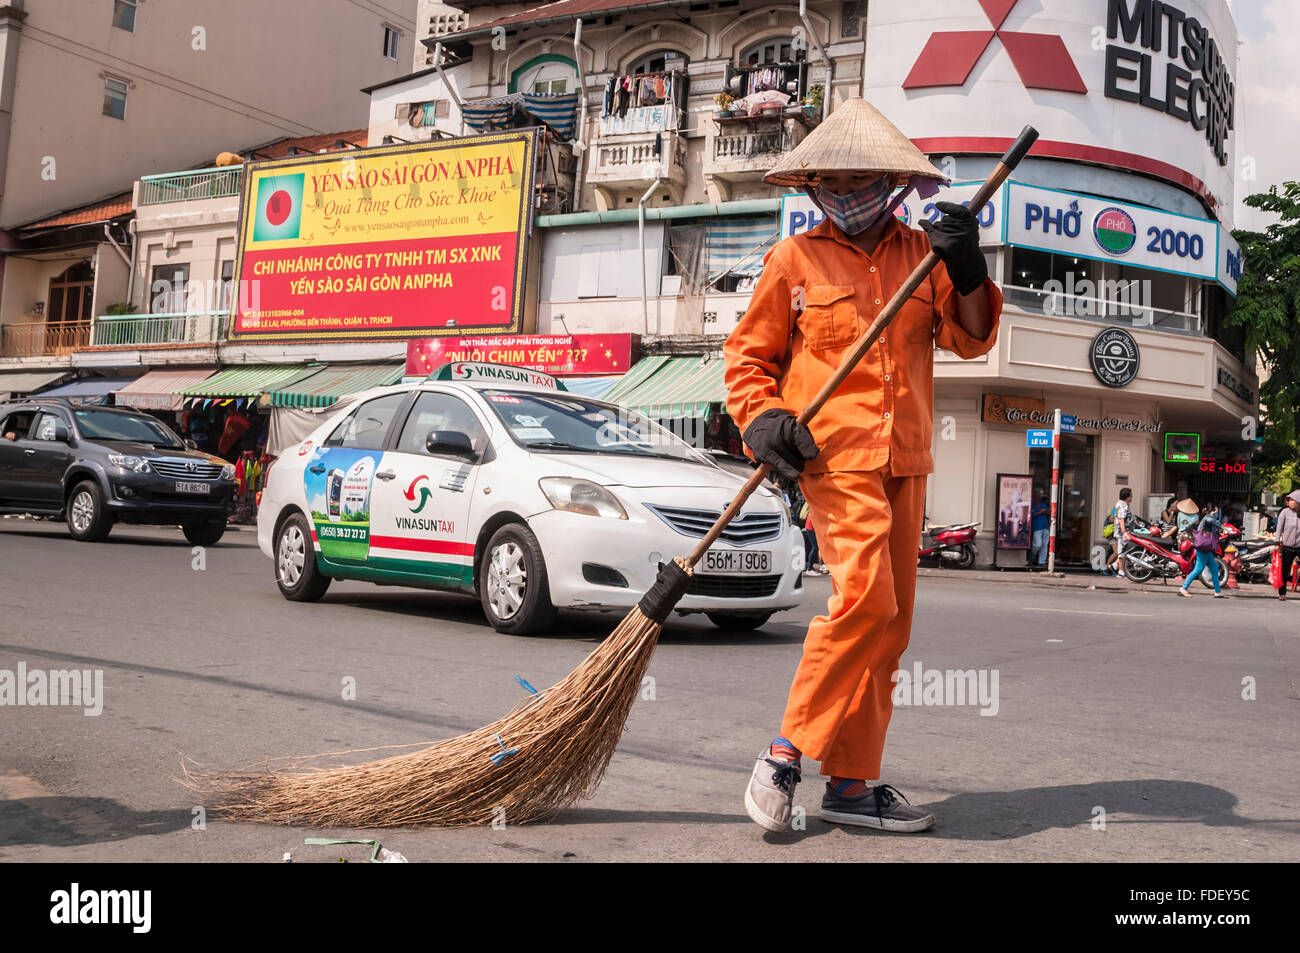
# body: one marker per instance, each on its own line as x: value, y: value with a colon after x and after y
x: 739, y: 620
x: 204, y: 534
x: 88, y: 519
x: 512, y: 582
x: 296, y: 572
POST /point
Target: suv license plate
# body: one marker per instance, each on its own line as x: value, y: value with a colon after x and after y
x: 736, y: 562
x: 193, y: 488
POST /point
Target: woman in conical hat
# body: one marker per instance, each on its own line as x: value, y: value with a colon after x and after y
x: 862, y: 466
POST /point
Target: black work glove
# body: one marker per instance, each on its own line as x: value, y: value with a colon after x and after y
x: 670, y: 585
x: 777, y: 438
x: 956, y: 240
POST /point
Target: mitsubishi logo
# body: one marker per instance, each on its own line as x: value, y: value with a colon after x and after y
x: 1041, y: 59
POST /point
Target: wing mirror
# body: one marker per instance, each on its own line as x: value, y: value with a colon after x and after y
x: 61, y: 433
x: 190, y: 444
x: 452, y: 443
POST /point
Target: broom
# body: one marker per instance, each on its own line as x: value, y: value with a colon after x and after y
x: 553, y: 748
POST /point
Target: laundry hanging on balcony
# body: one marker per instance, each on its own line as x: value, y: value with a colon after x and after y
x: 556, y: 110
x: 738, y: 247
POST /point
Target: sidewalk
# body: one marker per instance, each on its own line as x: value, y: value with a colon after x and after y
x: 1086, y: 579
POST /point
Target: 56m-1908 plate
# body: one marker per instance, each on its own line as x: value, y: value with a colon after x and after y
x: 742, y: 562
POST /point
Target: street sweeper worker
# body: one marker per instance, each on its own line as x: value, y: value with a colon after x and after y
x: 862, y: 463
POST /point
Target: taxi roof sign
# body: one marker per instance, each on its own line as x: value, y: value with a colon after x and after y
x: 473, y: 371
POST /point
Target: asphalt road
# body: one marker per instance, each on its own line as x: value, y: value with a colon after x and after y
x: 1123, y: 702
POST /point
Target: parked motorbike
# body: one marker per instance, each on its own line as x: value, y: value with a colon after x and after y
x: 1250, y: 558
x: 1147, y: 554
x: 951, y: 545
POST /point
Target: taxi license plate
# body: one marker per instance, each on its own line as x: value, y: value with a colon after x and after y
x: 193, y: 488
x: 736, y: 562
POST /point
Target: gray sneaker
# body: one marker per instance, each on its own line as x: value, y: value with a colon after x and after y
x: 877, y: 808
x: 769, y: 799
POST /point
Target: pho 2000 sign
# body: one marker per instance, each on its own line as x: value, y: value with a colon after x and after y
x: 1114, y: 357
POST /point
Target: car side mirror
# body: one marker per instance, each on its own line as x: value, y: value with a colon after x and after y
x: 61, y: 433
x: 190, y: 444
x: 452, y: 443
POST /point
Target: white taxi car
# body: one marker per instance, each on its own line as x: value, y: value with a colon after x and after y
x: 495, y: 480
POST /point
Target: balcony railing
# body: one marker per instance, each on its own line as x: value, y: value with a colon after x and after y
x: 632, y: 158
x: 190, y: 186
x: 38, y: 338
x: 1130, y: 314
x: 130, y: 330
x: 748, y: 145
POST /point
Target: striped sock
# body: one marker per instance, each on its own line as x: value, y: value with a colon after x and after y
x: 849, y: 787
x: 783, y: 749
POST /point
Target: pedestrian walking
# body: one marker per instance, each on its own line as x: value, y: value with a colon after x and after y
x: 1121, y: 518
x: 1288, y: 535
x: 1206, y: 539
x: 866, y: 455
x: 1042, y: 521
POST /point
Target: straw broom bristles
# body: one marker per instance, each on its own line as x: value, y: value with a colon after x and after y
x: 565, y: 736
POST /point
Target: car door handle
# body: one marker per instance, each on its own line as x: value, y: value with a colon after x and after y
x: 385, y: 475
x: 316, y: 469
x: 29, y: 452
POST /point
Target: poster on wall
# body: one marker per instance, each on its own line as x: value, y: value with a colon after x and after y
x: 391, y: 242
x: 1015, y: 500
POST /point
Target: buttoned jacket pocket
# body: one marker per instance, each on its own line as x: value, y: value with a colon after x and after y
x: 830, y: 317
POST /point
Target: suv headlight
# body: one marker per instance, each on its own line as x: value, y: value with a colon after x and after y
x: 228, y: 472
x: 581, y: 496
x: 125, y: 462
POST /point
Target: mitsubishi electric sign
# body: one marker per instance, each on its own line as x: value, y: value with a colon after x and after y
x: 1139, y: 85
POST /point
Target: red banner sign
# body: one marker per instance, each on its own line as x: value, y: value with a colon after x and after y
x: 575, y: 355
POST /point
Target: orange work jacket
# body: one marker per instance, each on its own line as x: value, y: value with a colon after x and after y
x: 780, y: 355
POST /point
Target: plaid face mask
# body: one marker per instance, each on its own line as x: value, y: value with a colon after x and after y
x: 858, y: 211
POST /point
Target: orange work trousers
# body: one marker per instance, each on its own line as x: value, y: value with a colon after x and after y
x: 868, y: 525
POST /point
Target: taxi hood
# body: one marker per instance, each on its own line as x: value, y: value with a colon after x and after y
x: 640, y: 471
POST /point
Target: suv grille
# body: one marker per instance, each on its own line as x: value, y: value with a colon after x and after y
x: 732, y: 587
x: 180, y: 470
x: 743, y: 530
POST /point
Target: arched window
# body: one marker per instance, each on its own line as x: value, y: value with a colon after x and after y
x: 659, y: 61
x: 771, y: 52
x: 548, y: 73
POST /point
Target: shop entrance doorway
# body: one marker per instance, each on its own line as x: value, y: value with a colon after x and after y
x: 1076, y: 505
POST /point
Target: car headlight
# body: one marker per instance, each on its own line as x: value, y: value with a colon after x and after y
x: 228, y: 472
x: 581, y: 496
x: 125, y: 462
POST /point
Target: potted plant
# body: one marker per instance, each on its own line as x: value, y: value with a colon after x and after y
x: 812, y: 103
x: 724, y: 100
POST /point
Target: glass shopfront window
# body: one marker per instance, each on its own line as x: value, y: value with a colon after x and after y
x: 1075, y: 504
x: 1066, y: 286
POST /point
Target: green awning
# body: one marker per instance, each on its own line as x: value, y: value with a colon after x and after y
x: 676, y: 387
x: 248, y: 381
x: 326, y: 385
x: 634, y: 378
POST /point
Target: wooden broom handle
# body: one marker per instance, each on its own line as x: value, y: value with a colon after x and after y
x: 895, y: 304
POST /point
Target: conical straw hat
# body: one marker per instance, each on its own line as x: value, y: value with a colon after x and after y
x: 1188, y: 507
x: 856, y: 137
